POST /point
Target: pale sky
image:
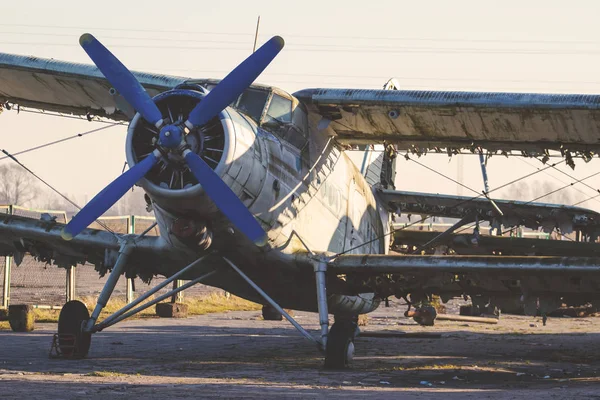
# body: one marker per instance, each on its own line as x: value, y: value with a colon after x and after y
x: 533, y: 46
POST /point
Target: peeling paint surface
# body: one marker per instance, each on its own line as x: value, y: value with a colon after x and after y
x: 428, y: 120
x: 516, y: 213
x: 67, y: 87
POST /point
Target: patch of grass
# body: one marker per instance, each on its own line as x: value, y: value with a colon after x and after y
x: 432, y: 367
x: 114, y: 304
x: 42, y: 315
x: 215, y: 302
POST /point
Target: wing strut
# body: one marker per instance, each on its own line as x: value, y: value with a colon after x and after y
x: 486, y: 186
x: 467, y: 219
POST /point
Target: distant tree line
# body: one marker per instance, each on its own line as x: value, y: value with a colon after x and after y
x: 19, y: 187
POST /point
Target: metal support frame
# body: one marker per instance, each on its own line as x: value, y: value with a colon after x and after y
x: 486, y: 186
x: 465, y: 220
x: 110, y: 284
x: 129, y: 295
x: 294, y: 233
x: 320, y: 270
x: 484, y: 175
x: 6, y: 284
x: 120, y: 316
x: 70, y: 284
x: 123, y: 312
x: 273, y: 304
x: 7, y: 268
x: 177, y: 297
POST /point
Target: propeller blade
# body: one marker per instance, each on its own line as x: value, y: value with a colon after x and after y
x: 235, y: 83
x: 225, y: 199
x: 108, y: 196
x: 121, y: 78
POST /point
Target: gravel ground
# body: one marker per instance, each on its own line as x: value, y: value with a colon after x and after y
x: 237, y: 355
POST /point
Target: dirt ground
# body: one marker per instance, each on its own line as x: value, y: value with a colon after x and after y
x: 237, y: 355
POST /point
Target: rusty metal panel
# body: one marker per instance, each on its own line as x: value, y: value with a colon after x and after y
x: 400, y: 264
x: 67, y: 87
x: 532, y: 215
x: 428, y: 119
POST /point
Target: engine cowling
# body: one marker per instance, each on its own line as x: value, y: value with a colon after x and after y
x: 228, y: 143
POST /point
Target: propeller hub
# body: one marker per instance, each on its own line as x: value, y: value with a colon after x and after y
x: 170, y: 136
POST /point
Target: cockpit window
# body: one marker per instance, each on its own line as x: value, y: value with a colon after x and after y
x: 252, y: 102
x: 280, y: 109
x: 300, y: 119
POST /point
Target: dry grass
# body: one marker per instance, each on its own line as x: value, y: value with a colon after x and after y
x: 106, y: 374
x: 433, y: 367
x: 217, y: 302
x: 212, y: 303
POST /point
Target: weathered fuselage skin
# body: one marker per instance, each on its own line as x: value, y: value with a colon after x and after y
x: 315, y: 195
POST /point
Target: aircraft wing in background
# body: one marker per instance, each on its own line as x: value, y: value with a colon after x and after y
x: 516, y: 213
x: 69, y: 87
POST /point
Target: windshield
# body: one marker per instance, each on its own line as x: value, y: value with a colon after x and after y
x: 252, y: 102
x: 280, y: 109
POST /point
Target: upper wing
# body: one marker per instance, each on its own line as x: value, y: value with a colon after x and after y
x: 427, y: 120
x: 69, y: 87
x: 42, y: 239
x: 516, y: 213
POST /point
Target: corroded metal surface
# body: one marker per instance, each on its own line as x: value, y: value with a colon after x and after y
x: 484, y: 244
x: 389, y: 264
x: 42, y: 239
x: 67, y: 87
x: 516, y: 213
x: 427, y: 120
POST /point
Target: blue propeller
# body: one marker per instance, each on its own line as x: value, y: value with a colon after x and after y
x: 228, y: 202
x: 235, y: 83
x: 121, y: 78
x: 171, y: 136
x: 108, y: 196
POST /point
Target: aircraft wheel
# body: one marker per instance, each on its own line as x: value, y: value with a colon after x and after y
x: 340, y: 345
x: 72, y: 341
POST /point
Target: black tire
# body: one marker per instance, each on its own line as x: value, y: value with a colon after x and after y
x: 340, y: 345
x: 73, y: 343
x: 269, y: 313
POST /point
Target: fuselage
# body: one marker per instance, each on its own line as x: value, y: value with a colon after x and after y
x: 300, y: 185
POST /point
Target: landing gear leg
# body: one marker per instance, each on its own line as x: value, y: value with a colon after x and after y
x: 320, y: 270
x: 109, y: 286
x: 338, y: 342
x: 74, y: 322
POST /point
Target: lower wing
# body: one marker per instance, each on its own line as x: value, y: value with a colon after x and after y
x: 42, y: 239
